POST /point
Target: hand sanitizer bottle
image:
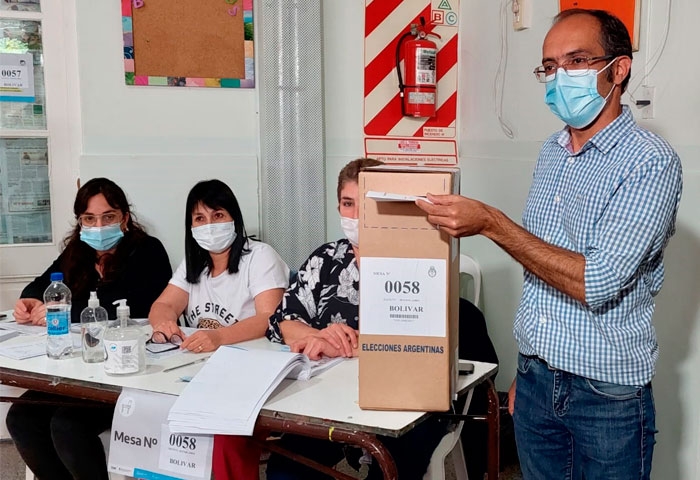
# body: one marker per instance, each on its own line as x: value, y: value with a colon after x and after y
x: 124, y: 345
x: 93, y: 321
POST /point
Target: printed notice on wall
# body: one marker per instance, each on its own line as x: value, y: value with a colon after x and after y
x: 22, y: 95
x: 25, y: 203
x: 403, y: 296
x: 17, y: 77
x: 143, y: 446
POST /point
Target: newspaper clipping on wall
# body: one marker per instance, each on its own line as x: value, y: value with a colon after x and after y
x: 25, y: 203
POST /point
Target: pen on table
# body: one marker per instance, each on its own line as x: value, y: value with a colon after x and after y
x: 237, y: 347
x: 193, y: 362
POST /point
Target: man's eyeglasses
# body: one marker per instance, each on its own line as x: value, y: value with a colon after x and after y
x: 574, y: 66
x: 88, y: 220
x: 160, y: 342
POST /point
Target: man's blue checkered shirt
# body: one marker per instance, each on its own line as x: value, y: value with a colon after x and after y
x: 614, y: 202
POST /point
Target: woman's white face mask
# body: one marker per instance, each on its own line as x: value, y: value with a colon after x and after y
x: 350, y: 228
x: 215, y: 237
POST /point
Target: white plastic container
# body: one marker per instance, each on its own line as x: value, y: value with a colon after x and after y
x: 124, y: 345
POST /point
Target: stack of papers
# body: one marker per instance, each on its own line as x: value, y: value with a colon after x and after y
x: 24, y: 350
x: 24, y: 328
x: 227, y: 394
x: 7, y: 334
x: 314, y: 367
x: 33, y: 348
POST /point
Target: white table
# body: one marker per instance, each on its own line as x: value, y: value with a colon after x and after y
x: 300, y: 407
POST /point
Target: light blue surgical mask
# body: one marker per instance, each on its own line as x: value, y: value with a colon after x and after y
x: 102, y: 238
x: 574, y: 98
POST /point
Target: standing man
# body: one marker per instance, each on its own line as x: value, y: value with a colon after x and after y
x: 601, y: 209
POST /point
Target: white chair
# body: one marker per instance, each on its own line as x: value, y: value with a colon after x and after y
x: 469, y: 266
x: 451, y: 442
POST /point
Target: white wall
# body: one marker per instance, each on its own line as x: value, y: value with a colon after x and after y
x: 343, y: 27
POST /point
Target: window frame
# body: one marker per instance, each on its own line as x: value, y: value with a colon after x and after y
x: 22, y: 262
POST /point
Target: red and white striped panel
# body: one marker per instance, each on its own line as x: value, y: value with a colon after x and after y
x: 385, y: 22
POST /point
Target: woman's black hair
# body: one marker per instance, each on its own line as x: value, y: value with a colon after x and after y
x: 215, y: 194
x: 78, y: 259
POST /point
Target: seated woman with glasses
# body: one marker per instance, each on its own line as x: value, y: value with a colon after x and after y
x: 110, y: 253
x: 228, y: 285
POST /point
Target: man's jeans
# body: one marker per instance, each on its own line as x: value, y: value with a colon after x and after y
x: 567, y: 426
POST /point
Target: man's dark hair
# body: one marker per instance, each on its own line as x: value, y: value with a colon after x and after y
x: 614, y: 37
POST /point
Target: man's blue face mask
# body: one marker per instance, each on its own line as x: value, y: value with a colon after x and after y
x: 574, y: 98
x: 102, y: 238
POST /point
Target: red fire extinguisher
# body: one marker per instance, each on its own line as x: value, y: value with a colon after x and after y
x: 419, y: 93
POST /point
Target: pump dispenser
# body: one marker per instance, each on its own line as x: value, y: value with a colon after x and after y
x: 124, y: 345
x: 123, y: 312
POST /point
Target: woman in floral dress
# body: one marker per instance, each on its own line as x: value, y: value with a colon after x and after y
x: 318, y: 316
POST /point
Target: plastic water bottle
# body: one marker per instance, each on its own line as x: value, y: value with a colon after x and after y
x: 57, y: 299
x: 93, y: 321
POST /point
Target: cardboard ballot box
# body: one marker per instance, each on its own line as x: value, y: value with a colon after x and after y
x: 409, y: 292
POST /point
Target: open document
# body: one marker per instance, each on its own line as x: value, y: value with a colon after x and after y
x: 229, y: 391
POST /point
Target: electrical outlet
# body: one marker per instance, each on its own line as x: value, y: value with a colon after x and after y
x: 648, y: 95
x: 522, y: 14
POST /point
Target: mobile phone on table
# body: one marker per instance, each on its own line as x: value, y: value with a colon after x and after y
x: 466, y: 368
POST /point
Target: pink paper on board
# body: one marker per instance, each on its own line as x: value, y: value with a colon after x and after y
x: 126, y: 8
x: 140, y: 80
x: 128, y: 64
x: 194, y: 82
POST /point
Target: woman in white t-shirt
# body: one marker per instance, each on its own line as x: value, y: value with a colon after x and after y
x: 228, y: 285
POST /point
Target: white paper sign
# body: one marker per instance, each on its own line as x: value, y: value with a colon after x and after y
x: 403, y: 296
x: 13, y: 77
x: 184, y: 454
x: 142, y: 445
x: 17, y: 77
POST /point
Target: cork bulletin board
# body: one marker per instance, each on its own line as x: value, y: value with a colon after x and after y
x: 188, y: 43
